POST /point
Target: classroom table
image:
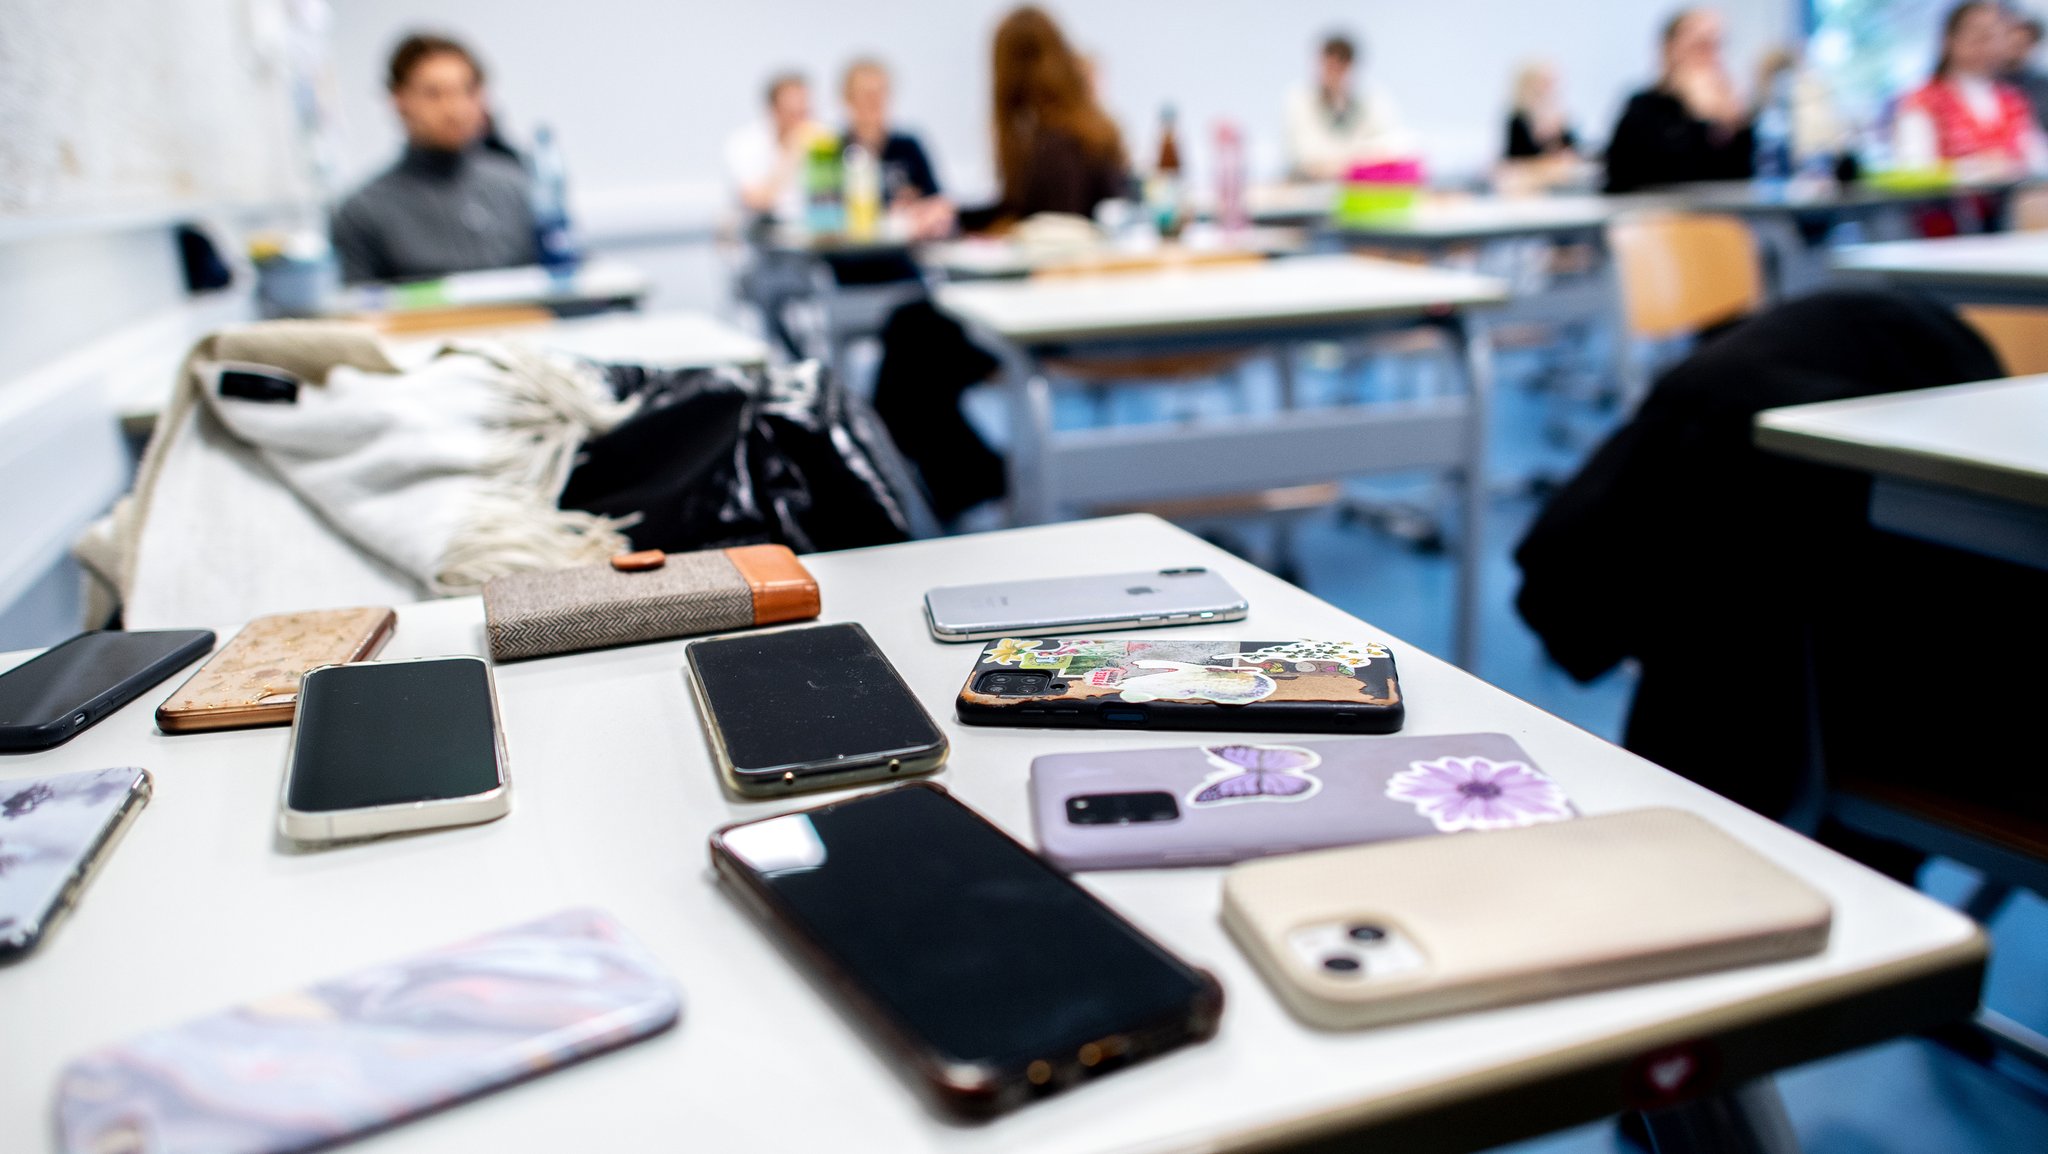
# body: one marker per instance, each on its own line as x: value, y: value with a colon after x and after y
x: 1000, y: 258
x: 1440, y: 222
x: 596, y: 285
x: 1961, y: 465
x: 202, y: 907
x: 1269, y: 304
x: 2009, y: 268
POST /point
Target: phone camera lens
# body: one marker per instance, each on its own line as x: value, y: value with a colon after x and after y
x: 1366, y: 933
x: 1341, y: 964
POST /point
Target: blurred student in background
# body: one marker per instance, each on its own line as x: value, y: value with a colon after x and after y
x: 1692, y: 125
x: 765, y: 158
x: 1542, y: 150
x: 1337, y: 122
x: 910, y: 189
x: 2021, y: 42
x: 1056, y: 151
x: 449, y: 204
x: 1964, y: 114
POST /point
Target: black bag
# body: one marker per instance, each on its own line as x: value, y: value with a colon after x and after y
x: 727, y: 456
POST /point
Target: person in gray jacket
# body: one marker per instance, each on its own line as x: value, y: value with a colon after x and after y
x: 450, y: 204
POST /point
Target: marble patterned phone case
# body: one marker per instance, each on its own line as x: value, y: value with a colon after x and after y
x: 55, y: 831
x: 336, y: 1060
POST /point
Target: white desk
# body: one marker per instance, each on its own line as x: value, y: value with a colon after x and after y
x: 614, y: 795
x: 669, y: 340
x: 1442, y: 221
x: 997, y: 258
x: 1269, y: 304
x: 594, y: 286
x: 2000, y: 268
x: 1965, y: 465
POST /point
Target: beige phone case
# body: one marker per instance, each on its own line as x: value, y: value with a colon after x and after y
x: 1516, y: 915
x: 254, y: 679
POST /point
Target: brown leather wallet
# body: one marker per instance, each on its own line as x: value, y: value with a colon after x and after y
x: 646, y: 596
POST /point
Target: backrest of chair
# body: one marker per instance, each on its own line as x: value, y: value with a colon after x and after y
x: 2018, y: 335
x: 2028, y: 209
x: 1683, y: 272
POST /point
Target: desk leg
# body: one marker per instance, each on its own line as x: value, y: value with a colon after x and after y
x: 1749, y: 1119
x: 1474, y: 348
x: 1030, y: 397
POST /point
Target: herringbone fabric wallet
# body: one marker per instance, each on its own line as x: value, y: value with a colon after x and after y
x: 564, y: 610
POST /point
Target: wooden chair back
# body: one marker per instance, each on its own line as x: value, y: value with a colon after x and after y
x: 1681, y: 273
x: 2018, y: 334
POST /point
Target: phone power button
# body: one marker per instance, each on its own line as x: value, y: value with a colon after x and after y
x: 79, y: 720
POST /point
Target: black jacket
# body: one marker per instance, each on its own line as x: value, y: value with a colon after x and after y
x: 1776, y: 629
x: 1657, y: 141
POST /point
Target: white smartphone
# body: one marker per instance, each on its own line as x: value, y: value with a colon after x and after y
x: 388, y: 746
x: 1188, y: 595
x: 1408, y: 929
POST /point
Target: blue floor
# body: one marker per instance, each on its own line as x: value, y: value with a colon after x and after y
x: 1905, y: 1097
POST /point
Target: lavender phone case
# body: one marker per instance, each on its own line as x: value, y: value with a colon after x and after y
x: 363, y: 1052
x: 55, y: 831
x: 1245, y: 799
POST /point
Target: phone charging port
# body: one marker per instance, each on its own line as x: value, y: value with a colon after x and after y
x: 1124, y: 715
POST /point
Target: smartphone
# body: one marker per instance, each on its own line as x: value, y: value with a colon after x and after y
x: 57, y: 695
x: 1230, y: 801
x: 362, y: 1053
x: 991, y: 976
x: 1185, y: 596
x: 1408, y: 929
x: 55, y: 834
x: 1238, y: 686
x: 389, y: 746
x: 254, y: 679
x: 816, y: 707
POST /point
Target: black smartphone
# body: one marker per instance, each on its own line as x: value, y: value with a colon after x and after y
x: 388, y: 746
x: 815, y: 707
x: 994, y: 977
x: 53, y: 697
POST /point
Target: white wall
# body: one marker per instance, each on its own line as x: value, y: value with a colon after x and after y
x: 643, y: 93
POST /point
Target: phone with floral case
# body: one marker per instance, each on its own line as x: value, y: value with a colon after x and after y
x: 1241, y: 686
x: 339, y: 1059
x: 1224, y: 802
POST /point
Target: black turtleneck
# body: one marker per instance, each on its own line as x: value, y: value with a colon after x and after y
x: 436, y: 212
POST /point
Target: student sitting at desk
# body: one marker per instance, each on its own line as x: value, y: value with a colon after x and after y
x: 1964, y: 115
x: 910, y: 189
x: 1331, y: 126
x: 766, y: 158
x: 1542, y: 150
x: 1056, y: 151
x: 1692, y: 125
x: 449, y: 204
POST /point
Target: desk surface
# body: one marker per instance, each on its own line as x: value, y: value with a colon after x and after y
x: 594, y: 281
x: 2006, y: 258
x: 984, y: 258
x: 1479, y: 218
x: 1294, y: 290
x: 674, y: 340
x: 1990, y: 437
x: 614, y: 796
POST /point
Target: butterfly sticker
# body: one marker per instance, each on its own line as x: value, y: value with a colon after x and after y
x: 1257, y: 773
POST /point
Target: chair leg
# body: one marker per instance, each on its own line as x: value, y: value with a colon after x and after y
x: 1986, y: 900
x: 1749, y: 1119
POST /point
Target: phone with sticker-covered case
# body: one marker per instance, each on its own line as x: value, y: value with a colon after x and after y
x: 254, y: 679
x: 1295, y: 686
x: 1231, y: 800
x: 56, y: 831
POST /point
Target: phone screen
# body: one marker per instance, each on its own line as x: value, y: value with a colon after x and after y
x: 69, y: 676
x: 393, y: 732
x: 800, y: 697
x: 970, y: 941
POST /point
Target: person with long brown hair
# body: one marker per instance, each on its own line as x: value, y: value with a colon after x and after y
x: 1056, y: 151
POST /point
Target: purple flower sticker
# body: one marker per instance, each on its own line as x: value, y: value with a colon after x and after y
x: 1257, y: 773
x: 1458, y: 793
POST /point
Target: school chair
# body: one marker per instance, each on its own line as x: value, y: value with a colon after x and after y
x: 2018, y: 334
x: 1679, y: 275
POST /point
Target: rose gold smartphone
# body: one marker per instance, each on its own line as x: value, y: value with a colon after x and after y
x: 1409, y: 929
x: 254, y: 679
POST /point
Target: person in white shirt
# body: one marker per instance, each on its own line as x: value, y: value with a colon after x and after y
x: 765, y: 159
x: 1335, y: 123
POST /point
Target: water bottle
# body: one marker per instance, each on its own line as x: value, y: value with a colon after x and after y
x: 863, y: 193
x: 824, y: 188
x: 1230, y: 209
x: 1774, y: 139
x: 550, y: 199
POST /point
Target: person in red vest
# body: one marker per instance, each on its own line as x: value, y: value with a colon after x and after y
x: 1965, y: 115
